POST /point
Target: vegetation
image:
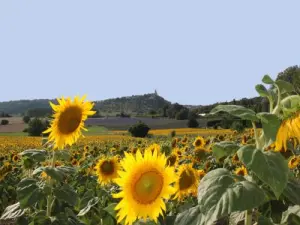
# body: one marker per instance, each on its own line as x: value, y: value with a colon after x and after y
x: 139, y: 130
x: 26, y: 119
x: 36, y: 126
x: 4, y: 122
x: 192, y: 123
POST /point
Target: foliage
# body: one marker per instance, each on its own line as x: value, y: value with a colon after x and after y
x: 26, y: 119
x: 36, y: 126
x: 192, y: 123
x: 4, y: 122
x: 139, y: 130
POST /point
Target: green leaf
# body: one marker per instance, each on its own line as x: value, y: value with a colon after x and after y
x: 291, y: 103
x: 192, y: 216
x: 291, y: 216
x: 111, y: 209
x: 220, y: 194
x: 28, y: 192
x: 267, y: 79
x: 236, y: 110
x: 262, y: 91
x: 62, y: 154
x: 36, y: 155
x: 12, y: 212
x: 90, y: 204
x: 270, y: 125
x: 40, y: 218
x: 264, y: 221
x: 284, y: 86
x: 270, y: 167
x: 292, y: 190
x: 57, y: 173
x: 224, y: 148
x: 67, y: 194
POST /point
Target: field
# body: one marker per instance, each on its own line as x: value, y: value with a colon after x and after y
x: 173, y: 176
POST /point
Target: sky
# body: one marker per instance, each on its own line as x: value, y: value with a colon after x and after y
x: 193, y: 52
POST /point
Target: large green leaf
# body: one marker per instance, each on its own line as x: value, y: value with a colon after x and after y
x: 34, y: 154
x: 270, y: 125
x: 270, y: 167
x: 291, y: 216
x: 284, y: 86
x: 236, y: 110
x: 40, y: 218
x: 12, y: 212
x: 220, y: 194
x: 28, y: 192
x: 192, y: 216
x: 67, y: 194
x: 267, y: 79
x: 57, y: 173
x: 292, y: 190
x: 291, y: 104
x: 262, y: 91
x: 62, y: 154
x: 224, y: 148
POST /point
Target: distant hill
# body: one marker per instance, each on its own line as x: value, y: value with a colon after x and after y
x: 136, y: 104
x: 142, y: 104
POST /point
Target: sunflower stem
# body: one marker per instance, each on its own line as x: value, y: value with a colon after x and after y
x: 276, y: 110
x: 257, y: 141
x: 50, y: 199
x: 248, y: 217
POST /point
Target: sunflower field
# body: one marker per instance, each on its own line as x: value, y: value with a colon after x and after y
x: 227, y: 178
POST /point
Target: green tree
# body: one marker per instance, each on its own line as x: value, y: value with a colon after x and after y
x: 192, y: 123
x: 36, y: 126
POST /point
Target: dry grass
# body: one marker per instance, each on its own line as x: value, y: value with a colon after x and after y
x: 16, y: 124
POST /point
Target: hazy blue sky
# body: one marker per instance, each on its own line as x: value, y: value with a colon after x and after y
x: 192, y: 52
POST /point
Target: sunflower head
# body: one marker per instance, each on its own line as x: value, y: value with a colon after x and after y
x: 174, y: 143
x: 199, y: 142
x: 244, y: 140
x: 235, y: 159
x: 107, y: 170
x: 172, y: 159
x: 241, y: 171
x: 289, y: 128
x: 86, y: 148
x: 145, y: 183
x: 15, y: 158
x: 69, y: 117
x: 184, y: 140
x: 294, y: 162
x: 187, y: 182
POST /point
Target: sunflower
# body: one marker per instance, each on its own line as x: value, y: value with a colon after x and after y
x: 201, y: 173
x: 235, y: 159
x: 172, y: 159
x: 187, y: 182
x: 178, y: 152
x: 145, y: 183
x: 86, y: 148
x: 68, y: 121
x: 74, y: 162
x: 241, y: 171
x: 107, y: 170
x: 289, y: 128
x: 294, y: 162
x: 199, y: 142
x: 174, y: 143
x: 15, y: 158
x: 244, y: 140
x: 184, y: 140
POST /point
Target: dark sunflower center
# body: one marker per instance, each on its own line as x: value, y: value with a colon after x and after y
x: 70, y: 120
x: 241, y: 172
x: 198, y: 142
x: 147, y: 187
x: 186, y: 180
x: 107, y: 167
x: 171, y: 160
